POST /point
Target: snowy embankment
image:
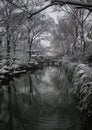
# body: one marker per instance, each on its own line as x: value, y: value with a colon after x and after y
x: 81, y: 77
x: 16, y: 69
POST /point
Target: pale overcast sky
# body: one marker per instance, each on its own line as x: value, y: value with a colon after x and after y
x: 52, y: 14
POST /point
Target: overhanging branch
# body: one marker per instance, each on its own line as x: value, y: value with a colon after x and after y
x: 69, y: 2
x: 78, y: 5
x: 40, y: 10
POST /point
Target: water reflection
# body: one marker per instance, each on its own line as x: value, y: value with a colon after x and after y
x: 39, y: 101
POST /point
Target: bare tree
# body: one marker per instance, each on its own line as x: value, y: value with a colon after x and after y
x: 71, y: 30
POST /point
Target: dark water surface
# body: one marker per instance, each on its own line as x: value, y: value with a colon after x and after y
x: 39, y: 101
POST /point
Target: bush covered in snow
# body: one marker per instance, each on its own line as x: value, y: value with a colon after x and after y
x: 82, y: 87
x: 81, y: 77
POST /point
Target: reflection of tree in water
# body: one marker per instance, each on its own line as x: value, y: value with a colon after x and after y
x: 20, y: 101
x: 61, y: 86
x: 16, y: 111
x: 10, y: 110
x: 20, y: 106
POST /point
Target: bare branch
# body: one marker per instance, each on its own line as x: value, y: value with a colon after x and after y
x: 57, y: 2
x: 40, y: 10
x: 69, y: 2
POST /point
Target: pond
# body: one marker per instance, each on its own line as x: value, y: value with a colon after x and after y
x: 38, y: 101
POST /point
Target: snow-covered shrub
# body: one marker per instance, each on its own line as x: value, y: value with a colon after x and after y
x: 81, y: 77
x: 82, y: 87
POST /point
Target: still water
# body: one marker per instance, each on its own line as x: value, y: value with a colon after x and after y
x: 38, y: 101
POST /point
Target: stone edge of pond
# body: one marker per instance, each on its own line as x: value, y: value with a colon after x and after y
x: 81, y: 76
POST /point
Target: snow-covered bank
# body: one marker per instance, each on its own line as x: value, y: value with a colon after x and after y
x: 81, y: 77
x: 16, y: 69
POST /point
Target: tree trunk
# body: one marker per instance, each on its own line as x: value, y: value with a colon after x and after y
x: 8, y: 45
